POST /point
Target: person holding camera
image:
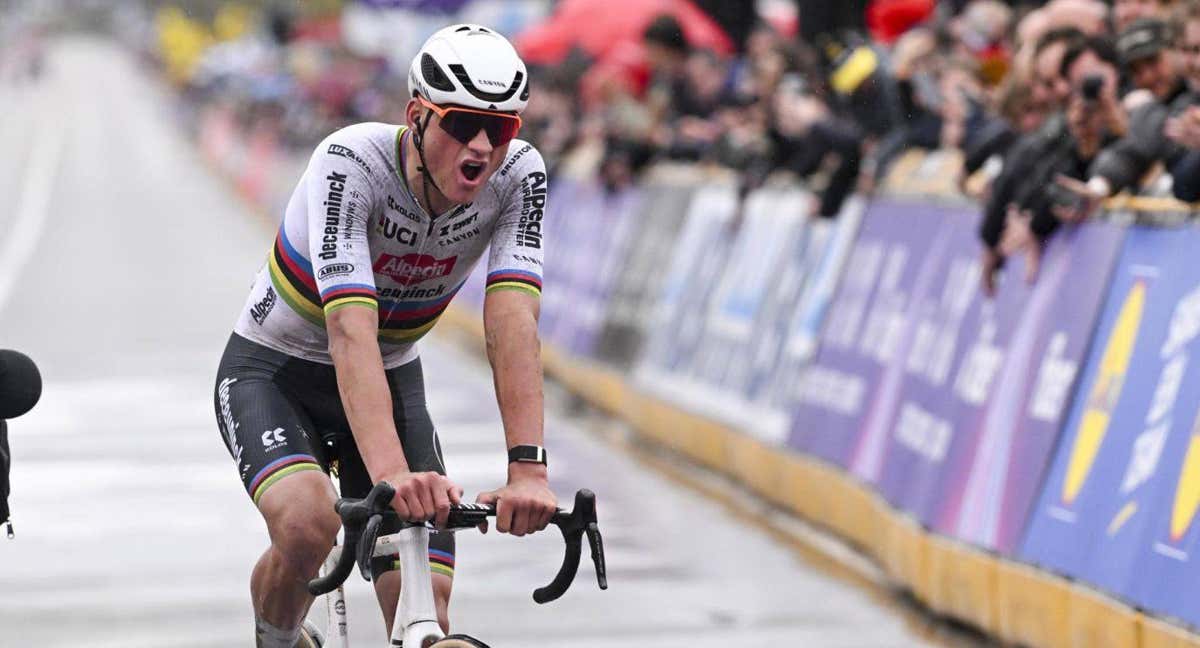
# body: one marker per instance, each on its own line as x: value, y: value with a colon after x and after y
x: 1028, y: 199
x: 1161, y: 96
x: 1183, y: 127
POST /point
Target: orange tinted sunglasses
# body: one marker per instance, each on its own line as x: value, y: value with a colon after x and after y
x: 463, y: 124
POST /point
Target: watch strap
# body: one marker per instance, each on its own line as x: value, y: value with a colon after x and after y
x: 527, y: 454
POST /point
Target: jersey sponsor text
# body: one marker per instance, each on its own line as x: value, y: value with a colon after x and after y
x: 414, y: 268
x: 533, y: 201
x: 333, y: 212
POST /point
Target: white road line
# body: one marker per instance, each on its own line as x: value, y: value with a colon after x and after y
x: 21, y: 241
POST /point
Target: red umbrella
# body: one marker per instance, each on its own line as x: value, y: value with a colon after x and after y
x: 599, y: 26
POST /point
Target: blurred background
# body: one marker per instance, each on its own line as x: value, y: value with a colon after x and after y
x: 870, y: 322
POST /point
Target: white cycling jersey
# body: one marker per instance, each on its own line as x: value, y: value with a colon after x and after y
x: 354, y: 233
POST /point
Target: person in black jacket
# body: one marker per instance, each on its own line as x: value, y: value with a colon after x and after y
x: 1153, y: 66
x: 1027, y: 200
x: 1183, y: 128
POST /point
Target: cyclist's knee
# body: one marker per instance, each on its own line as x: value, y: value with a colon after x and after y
x: 301, y: 520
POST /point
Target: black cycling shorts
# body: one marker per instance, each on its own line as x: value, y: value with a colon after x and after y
x: 279, y: 415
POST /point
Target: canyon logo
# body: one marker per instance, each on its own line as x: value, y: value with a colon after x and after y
x: 414, y: 268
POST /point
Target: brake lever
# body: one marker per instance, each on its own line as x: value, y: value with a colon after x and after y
x: 596, y: 544
x: 366, y: 545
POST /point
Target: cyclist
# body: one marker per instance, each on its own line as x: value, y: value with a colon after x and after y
x: 322, y: 371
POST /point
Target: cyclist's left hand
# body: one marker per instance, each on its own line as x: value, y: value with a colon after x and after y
x: 524, y: 506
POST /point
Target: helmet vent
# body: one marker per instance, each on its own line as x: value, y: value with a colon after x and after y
x: 492, y: 97
x: 462, y: 29
x: 434, y: 75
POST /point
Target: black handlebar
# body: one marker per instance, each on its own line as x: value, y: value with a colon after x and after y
x: 362, y: 520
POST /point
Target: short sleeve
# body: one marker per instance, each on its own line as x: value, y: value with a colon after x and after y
x: 517, y: 252
x: 339, y: 209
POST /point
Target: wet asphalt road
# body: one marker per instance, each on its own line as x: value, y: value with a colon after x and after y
x: 123, y: 263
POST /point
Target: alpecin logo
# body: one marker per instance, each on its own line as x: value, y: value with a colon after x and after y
x: 414, y: 268
x: 264, y: 306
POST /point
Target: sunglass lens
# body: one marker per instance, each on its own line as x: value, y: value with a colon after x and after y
x: 502, y: 130
x: 463, y: 126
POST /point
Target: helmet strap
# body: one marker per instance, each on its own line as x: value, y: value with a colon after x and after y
x: 426, y: 176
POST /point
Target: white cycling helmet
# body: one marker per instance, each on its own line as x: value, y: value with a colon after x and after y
x: 471, y: 66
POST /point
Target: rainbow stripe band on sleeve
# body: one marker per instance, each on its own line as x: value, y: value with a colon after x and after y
x: 336, y: 297
x: 522, y: 280
x: 277, y: 470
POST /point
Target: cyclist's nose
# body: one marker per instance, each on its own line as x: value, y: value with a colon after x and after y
x: 480, y: 143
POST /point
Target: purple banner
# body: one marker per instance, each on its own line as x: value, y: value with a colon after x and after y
x: 970, y: 445
x: 847, y: 397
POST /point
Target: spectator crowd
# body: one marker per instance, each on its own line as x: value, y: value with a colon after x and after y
x: 1054, y: 105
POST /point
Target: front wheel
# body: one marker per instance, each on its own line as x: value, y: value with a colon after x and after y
x: 458, y: 641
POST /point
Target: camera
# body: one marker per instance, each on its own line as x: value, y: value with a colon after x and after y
x: 1091, y: 87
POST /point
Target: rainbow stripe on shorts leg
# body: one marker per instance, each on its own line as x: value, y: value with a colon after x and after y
x: 441, y: 562
x: 278, y: 469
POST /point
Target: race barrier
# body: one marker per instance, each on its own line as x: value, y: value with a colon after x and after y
x: 1028, y: 463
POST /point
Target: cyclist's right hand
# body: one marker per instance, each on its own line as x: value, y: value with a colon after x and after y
x: 423, y: 496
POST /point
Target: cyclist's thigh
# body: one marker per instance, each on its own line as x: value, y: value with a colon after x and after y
x: 269, y: 435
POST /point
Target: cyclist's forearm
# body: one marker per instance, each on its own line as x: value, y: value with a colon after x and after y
x: 364, y: 390
x: 514, y: 352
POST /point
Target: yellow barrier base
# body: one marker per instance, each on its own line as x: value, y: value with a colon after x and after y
x: 801, y: 489
x: 906, y: 558
x: 757, y: 465
x: 962, y: 582
x: 1031, y: 606
x: 1160, y: 634
x: 1096, y: 621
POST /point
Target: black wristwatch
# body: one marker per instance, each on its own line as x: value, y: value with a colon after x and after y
x: 527, y: 454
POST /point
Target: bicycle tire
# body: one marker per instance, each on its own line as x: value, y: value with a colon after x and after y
x: 459, y: 641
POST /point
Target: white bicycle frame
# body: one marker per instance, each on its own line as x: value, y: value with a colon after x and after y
x: 416, y: 621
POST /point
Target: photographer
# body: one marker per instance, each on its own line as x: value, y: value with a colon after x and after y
x: 1183, y: 128
x: 1153, y: 67
x: 1027, y: 204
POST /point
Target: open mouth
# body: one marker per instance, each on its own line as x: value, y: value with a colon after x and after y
x: 471, y: 170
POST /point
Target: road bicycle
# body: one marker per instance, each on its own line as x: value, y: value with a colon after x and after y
x: 416, y: 623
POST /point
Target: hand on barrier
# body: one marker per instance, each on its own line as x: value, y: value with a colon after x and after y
x: 1018, y: 238
x: 1085, y: 204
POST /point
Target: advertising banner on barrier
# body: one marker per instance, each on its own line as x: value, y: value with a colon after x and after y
x: 853, y: 383
x: 772, y: 233
x: 909, y: 424
x: 657, y: 223
x: 594, y: 227
x: 677, y: 317
x: 1113, y: 503
x: 979, y: 419
x: 805, y: 295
